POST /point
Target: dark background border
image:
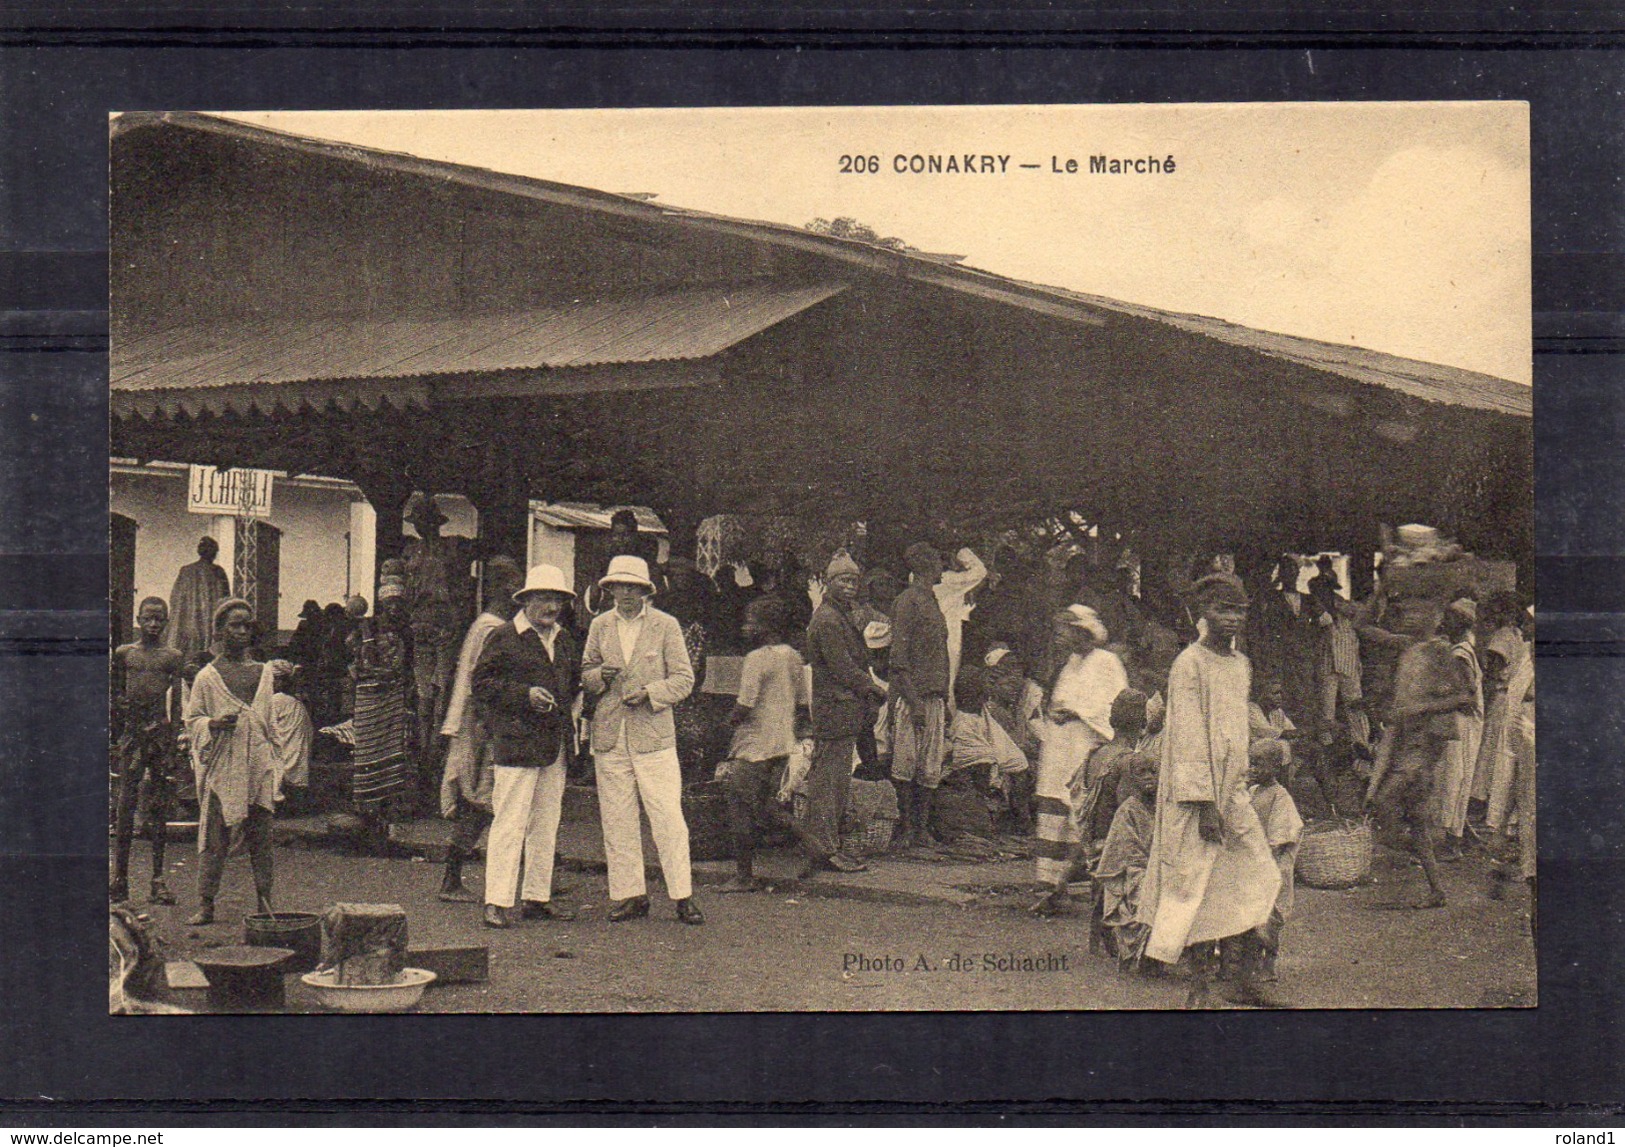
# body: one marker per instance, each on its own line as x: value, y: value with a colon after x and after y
x: 65, y: 66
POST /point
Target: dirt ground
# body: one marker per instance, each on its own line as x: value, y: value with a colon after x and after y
x: 799, y: 948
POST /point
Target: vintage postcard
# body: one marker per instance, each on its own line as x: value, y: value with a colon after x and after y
x: 822, y: 559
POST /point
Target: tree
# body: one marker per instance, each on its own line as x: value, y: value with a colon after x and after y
x: 846, y: 227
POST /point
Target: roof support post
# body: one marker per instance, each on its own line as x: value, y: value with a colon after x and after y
x: 504, y: 513
x: 388, y: 492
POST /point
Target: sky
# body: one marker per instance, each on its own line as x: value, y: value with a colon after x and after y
x: 1402, y: 227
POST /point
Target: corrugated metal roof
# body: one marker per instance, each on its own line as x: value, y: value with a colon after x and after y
x: 1431, y: 382
x: 591, y: 516
x: 1428, y: 381
x: 689, y: 324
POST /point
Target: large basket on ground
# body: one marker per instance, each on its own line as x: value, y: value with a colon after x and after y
x: 1334, y: 853
x: 872, y: 840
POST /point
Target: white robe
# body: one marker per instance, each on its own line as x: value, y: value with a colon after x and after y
x: 1196, y: 890
x: 1086, y: 686
x: 464, y: 776
x: 293, y: 732
x: 1455, y: 784
x: 240, y: 766
x: 951, y: 592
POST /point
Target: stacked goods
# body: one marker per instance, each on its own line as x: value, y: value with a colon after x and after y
x: 1418, y: 562
x: 363, y: 944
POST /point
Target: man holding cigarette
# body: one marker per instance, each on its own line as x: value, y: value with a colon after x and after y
x: 524, y: 683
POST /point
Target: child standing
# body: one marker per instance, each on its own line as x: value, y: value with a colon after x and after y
x: 772, y: 688
x: 1105, y: 777
x: 1283, y: 828
x: 1121, y: 868
x: 1267, y: 718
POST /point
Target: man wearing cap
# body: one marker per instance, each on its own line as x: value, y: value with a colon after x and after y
x: 844, y: 696
x: 465, y: 787
x: 874, y: 740
x: 637, y: 666
x: 1076, y: 722
x: 919, y: 683
x: 1212, y: 876
x: 439, y: 600
x: 524, y: 683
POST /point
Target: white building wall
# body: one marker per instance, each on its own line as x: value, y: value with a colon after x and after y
x: 166, y: 536
x: 317, y: 558
x: 554, y: 546
x: 329, y: 535
x: 315, y: 554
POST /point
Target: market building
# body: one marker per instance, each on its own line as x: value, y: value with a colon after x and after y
x: 402, y: 324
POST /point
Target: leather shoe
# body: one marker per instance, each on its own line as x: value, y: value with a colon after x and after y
x: 495, y: 916
x: 545, y: 910
x: 689, y: 912
x: 629, y: 909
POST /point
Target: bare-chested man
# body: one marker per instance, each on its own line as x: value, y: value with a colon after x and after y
x: 146, y: 699
x: 1430, y: 687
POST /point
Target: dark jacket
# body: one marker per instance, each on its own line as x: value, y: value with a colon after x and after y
x: 841, y: 685
x: 510, y: 664
x: 919, y: 642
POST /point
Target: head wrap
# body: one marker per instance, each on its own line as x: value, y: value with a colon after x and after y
x: 995, y: 655
x: 1082, y: 617
x: 1465, y: 606
x: 388, y: 590
x: 877, y: 634
x: 841, y: 563
x: 226, y: 606
x: 1226, y: 589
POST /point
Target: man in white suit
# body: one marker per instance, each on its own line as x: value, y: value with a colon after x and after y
x: 637, y: 667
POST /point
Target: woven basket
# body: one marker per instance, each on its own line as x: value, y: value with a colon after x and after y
x: 1334, y: 853
x: 873, y: 840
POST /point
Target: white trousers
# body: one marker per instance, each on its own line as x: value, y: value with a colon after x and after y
x: 526, y: 804
x: 623, y: 778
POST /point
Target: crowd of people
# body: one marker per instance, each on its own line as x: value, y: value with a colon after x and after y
x: 1157, y: 733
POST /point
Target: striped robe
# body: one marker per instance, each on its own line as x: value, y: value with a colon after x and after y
x: 1085, y: 688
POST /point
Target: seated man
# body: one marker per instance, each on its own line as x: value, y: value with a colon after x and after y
x: 978, y: 743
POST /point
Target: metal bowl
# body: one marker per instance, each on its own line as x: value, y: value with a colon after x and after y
x: 404, y: 993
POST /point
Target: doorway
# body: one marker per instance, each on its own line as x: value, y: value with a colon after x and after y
x: 258, y: 571
x: 121, y: 577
